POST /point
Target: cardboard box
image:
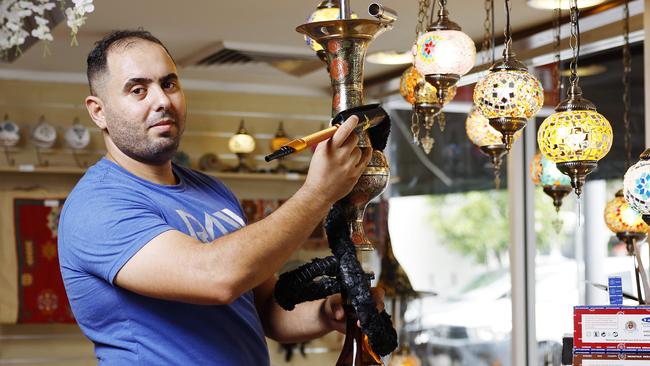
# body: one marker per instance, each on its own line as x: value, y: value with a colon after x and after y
x: 611, y: 359
x: 611, y: 329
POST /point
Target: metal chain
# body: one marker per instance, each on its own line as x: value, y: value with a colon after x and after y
x: 422, y: 17
x: 507, y: 33
x: 487, y: 36
x: 433, y: 12
x: 627, y: 69
x: 574, y: 41
x: 557, y: 70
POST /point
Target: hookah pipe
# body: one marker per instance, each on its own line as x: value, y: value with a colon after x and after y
x: 342, y: 272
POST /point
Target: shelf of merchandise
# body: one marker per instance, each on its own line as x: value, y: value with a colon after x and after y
x: 69, y: 170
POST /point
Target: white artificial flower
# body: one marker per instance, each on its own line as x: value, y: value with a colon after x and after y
x: 84, y: 6
x: 13, y: 14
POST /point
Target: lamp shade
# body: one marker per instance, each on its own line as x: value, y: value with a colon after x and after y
x: 620, y: 217
x: 444, y: 52
x: 426, y: 93
x: 636, y: 185
x: 480, y: 132
x: 544, y: 172
x: 241, y: 142
x: 575, y: 135
x: 508, y: 93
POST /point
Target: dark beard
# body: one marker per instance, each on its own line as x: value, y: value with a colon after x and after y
x: 139, y: 148
x: 152, y: 155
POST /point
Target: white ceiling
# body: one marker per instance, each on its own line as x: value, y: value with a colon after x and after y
x: 191, y: 25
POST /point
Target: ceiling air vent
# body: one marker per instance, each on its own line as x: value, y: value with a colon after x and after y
x: 293, y: 61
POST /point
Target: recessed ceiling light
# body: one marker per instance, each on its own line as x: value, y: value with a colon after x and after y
x: 584, y: 71
x: 390, y: 58
x: 564, y: 4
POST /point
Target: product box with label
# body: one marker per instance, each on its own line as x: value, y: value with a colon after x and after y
x: 611, y: 359
x: 611, y: 329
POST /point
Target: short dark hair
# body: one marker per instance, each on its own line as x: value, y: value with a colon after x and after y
x: 96, y: 61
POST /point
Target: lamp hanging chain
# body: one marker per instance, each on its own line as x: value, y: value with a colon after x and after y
x: 507, y: 33
x: 557, y: 70
x: 433, y: 12
x: 627, y: 69
x: 443, y: 6
x: 574, y: 41
x: 493, y: 41
x: 422, y: 17
x: 487, y: 36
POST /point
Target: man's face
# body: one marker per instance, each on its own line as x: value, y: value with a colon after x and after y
x: 144, y: 104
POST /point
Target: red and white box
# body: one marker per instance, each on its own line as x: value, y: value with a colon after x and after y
x: 611, y: 329
x: 611, y: 359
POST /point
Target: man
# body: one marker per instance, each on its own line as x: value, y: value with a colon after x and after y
x: 147, y: 285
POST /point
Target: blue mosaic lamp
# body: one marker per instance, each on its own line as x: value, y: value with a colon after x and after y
x: 636, y: 186
x: 545, y: 174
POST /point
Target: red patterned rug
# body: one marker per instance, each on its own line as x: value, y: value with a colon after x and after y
x: 41, y: 295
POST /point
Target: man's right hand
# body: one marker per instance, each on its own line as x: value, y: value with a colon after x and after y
x: 337, y: 164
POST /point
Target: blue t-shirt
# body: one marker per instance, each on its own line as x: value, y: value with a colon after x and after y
x: 106, y: 219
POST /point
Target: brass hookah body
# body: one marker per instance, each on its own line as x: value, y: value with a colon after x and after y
x: 345, y: 42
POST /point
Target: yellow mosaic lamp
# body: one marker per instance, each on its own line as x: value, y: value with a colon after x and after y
x: 508, y: 95
x: 411, y: 78
x: 576, y: 137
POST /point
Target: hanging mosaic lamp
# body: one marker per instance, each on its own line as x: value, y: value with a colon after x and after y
x: 636, y: 186
x: 444, y: 53
x: 508, y: 95
x: 624, y: 220
x: 486, y: 138
x: 576, y: 136
x: 426, y: 105
x: 545, y: 174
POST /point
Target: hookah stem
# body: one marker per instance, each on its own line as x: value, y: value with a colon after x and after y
x: 345, y: 11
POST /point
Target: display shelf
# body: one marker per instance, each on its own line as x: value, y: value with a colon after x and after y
x: 33, y: 169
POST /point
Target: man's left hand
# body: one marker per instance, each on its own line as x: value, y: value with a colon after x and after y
x: 334, y: 314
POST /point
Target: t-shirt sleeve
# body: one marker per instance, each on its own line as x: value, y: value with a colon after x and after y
x: 101, y: 231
